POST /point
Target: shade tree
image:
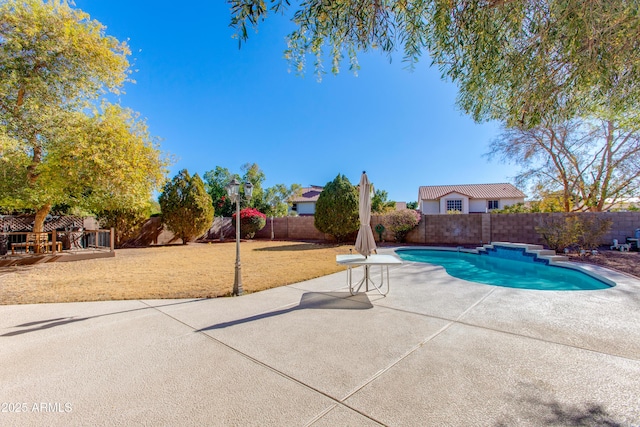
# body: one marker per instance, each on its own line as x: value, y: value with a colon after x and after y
x: 59, y: 143
x: 578, y: 165
x: 380, y: 203
x: 512, y: 60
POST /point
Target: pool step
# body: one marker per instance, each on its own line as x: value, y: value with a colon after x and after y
x: 555, y: 258
x: 538, y: 250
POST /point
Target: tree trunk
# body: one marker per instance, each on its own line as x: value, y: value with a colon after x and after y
x: 41, y: 215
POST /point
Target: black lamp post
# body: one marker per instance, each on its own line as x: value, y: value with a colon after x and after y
x: 233, y: 190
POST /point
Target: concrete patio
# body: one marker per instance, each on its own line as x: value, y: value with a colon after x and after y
x: 435, y: 351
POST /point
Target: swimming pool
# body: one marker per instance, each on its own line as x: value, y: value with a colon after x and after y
x: 504, y: 272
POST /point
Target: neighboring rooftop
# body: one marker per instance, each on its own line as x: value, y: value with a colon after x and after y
x: 308, y: 194
x: 473, y: 191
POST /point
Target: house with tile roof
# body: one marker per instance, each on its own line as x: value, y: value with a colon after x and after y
x: 305, y: 203
x: 468, y: 198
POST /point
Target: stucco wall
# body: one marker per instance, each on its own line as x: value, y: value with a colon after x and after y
x: 306, y: 208
x: 478, y: 205
x: 430, y: 207
x: 454, y: 196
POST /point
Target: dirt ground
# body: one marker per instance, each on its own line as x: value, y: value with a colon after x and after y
x: 627, y: 262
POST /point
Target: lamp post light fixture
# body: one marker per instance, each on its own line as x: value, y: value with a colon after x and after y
x: 233, y: 190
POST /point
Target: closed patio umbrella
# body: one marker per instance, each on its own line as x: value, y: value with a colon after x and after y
x: 365, y: 242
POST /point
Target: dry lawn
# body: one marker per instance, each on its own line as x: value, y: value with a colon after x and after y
x: 193, y: 271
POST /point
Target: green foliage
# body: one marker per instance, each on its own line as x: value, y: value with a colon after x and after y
x: 251, y: 221
x: 512, y: 60
x: 337, y: 209
x: 277, y: 199
x: 412, y: 205
x: 400, y: 223
x: 549, y: 202
x: 216, y: 182
x: 515, y: 208
x: 127, y: 222
x: 529, y: 207
x: 254, y: 175
x: 590, y: 232
x: 58, y: 144
x: 556, y: 233
x: 380, y: 204
x: 186, y: 207
x: 560, y: 232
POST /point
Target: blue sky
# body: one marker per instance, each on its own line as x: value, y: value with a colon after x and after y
x: 213, y: 104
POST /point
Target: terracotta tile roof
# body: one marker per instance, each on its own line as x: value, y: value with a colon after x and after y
x: 308, y: 194
x: 473, y: 191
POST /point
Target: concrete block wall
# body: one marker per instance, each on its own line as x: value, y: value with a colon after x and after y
x: 303, y: 228
x: 292, y: 228
x: 484, y: 228
x: 522, y: 227
x: 438, y: 230
x: 279, y: 229
x: 452, y: 229
x: 624, y: 225
x: 472, y: 229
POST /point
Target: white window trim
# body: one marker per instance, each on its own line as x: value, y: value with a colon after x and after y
x: 454, y: 201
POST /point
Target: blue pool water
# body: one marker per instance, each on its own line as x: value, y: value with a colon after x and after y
x: 497, y: 271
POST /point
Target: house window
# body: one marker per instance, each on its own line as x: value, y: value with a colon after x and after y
x: 294, y: 207
x: 454, y: 205
x: 493, y: 204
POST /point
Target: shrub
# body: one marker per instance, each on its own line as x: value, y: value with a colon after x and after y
x: 400, y: 223
x: 187, y: 209
x: 574, y: 230
x: 127, y: 222
x: 590, y: 231
x: 515, y: 208
x: 251, y: 221
x: 556, y: 233
x: 337, y: 209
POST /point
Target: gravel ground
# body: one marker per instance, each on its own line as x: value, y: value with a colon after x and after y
x: 628, y: 262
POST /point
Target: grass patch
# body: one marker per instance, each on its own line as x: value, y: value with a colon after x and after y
x: 192, y: 271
